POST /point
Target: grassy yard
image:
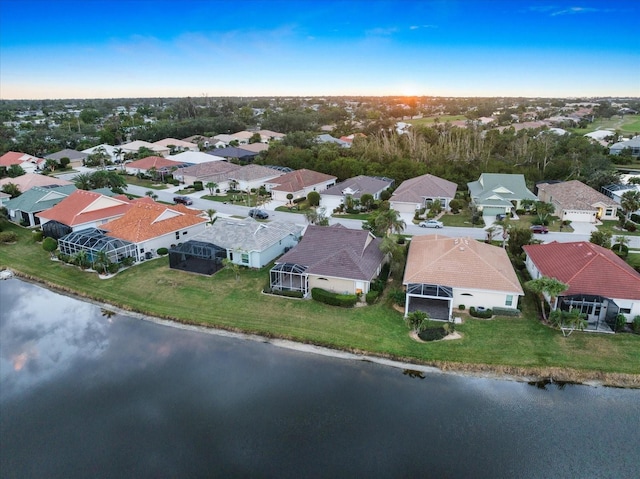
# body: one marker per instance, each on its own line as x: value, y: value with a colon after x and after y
x: 151, y: 184
x: 463, y: 219
x: 630, y: 124
x: 612, y: 227
x: 223, y: 302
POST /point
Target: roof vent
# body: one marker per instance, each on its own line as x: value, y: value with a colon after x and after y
x: 461, y: 248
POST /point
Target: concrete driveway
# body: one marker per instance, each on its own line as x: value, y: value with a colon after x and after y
x: 581, y: 228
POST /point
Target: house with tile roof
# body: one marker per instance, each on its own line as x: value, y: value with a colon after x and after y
x: 615, y: 192
x: 160, y: 163
x: 268, y: 135
x: 22, y: 209
x: 30, y: 180
x: 575, y: 201
x: 355, y: 187
x: 176, y: 146
x: 233, y: 153
x: 633, y: 144
x: 246, y: 242
x: 151, y: 225
x: 443, y: 273
x: 601, y: 285
x: 25, y: 161
x: 190, y: 158
x: 76, y: 158
x: 253, y: 176
x: 214, y: 171
x: 333, y: 258
x: 299, y: 183
x: 421, y: 192
x: 134, y: 146
x: 80, y: 210
x: 497, y: 193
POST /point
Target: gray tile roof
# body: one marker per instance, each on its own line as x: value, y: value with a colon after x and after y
x: 247, y: 234
x: 209, y: 168
x: 39, y: 199
x: 254, y: 172
x: 360, y: 185
x: 337, y: 252
x: 67, y: 153
x: 414, y: 190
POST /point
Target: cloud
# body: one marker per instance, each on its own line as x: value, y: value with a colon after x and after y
x: 417, y: 27
x: 554, y: 10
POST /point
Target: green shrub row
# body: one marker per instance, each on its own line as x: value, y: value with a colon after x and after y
x: 334, y: 299
x: 286, y: 293
x: 487, y: 313
x: 506, y: 312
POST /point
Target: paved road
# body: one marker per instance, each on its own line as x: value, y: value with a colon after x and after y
x: 411, y: 229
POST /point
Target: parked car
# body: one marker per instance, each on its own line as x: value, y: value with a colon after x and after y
x: 184, y: 200
x: 258, y: 214
x: 539, y: 229
x: 431, y: 224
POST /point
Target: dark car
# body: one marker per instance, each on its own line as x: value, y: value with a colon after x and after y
x: 183, y: 200
x: 539, y: 229
x: 258, y: 214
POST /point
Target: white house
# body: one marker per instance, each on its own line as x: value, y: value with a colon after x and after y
x: 299, y: 183
x: 575, y: 201
x: 333, y: 197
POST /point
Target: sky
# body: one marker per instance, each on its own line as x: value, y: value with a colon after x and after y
x: 58, y: 49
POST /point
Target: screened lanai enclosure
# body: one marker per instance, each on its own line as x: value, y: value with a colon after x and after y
x: 93, y: 241
x: 599, y: 312
x: 197, y: 257
x: 289, y: 277
x: 55, y: 229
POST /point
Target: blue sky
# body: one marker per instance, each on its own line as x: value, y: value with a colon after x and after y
x: 141, y: 48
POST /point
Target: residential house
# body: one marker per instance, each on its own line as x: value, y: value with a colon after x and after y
x: 177, y: 146
x: 81, y: 210
x: 333, y: 258
x: 615, y: 192
x: 22, y: 209
x: 134, y: 146
x: 443, y: 273
x: 232, y: 153
x: 498, y: 194
x: 253, y: 176
x: 421, y: 192
x: 327, y: 138
x: 575, y: 201
x: 25, y: 161
x: 299, y: 183
x: 29, y: 180
x: 190, y: 158
x: 355, y: 187
x: 255, y: 147
x: 246, y: 242
x: 76, y: 158
x: 205, y: 142
x: 268, y: 136
x: 4, y: 199
x: 213, y: 171
x: 106, y: 148
x: 633, y: 144
x: 158, y: 163
x: 601, y: 285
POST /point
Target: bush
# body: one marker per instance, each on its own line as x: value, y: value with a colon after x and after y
x: 8, y: 237
x: 198, y: 186
x: 621, y: 321
x: 113, y: 268
x: 49, y: 244
x: 506, y: 312
x: 483, y: 314
x: 398, y: 297
x: 299, y: 200
x: 37, y: 236
x: 629, y: 226
x: 620, y: 250
x: 162, y: 251
x: 371, y: 296
x: 636, y: 324
x: 334, y: 299
x: 128, y: 261
x: 433, y: 334
x: 461, y: 307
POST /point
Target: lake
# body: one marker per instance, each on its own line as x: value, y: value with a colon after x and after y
x: 84, y: 393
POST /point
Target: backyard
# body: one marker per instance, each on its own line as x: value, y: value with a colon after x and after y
x: 153, y: 288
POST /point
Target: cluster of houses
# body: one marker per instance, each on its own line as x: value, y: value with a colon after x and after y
x: 442, y: 273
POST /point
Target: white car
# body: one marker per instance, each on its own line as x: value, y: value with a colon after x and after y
x: 430, y: 224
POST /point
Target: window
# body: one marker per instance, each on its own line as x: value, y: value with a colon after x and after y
x: 245, y: 258
x: 184, y: 233
x: 177, y: 234
x: 609, y: 212
x: 509, y: 300
x: 625, y: 311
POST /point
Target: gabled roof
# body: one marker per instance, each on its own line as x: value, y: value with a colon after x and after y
x: 587, y: 269
x: 67, y: 153
x: 82, y: 207
x: 300, y: 179
x: 499, y: 187
x: 233, y: 152
x: 575, y: 195
x: 16, y: 158
x: 39, y: 199
x: 358, y: 186
x: 209, y: 169
x: 460, y: 263
x: 337, y: 252
x: 632, y: 143
x: 157, y: 162
x: 247, y: 234
x: 147, y: 219
x: 255, y: 147
x: 29, y: 180
x: 137, y: 144
x: 254, y: 172
x: 167, y: 142
x: 414, y: 190
x: 271, y: 134
x: 195, y: 157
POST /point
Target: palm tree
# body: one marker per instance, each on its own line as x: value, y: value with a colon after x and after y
x: 630, y: 202
x: 622, y: 241
x: 83, y: 181
x: 151, y: 195
x: 396, y: 252
x: 543, y: 210
x: 544, y: 286
x: 12, y: 189
x: 388, y: 221
x: 211, y: 213
x: 211, y: 185
x: 119, y: 152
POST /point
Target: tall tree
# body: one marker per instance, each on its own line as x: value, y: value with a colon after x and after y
x: 630, y: 202
x: 544, y: 210
x: 601, y: 238
x: 545, y: 286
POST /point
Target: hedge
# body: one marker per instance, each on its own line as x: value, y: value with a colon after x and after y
x: 506, y: 312
x: 371, y: 296
x: 486, y: 314
x: 162, y: 251
x: 334, y: 299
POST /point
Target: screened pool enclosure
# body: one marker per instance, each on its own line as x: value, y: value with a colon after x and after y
x: 289, y: 277
x: 197, y: 257
x: 93, y: 241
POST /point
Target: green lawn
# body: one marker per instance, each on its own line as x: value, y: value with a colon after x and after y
x: 612, y: 227
x: 463, y: 219
x: 630, y: 124
x: 223, y: 302
x: 151, y: 184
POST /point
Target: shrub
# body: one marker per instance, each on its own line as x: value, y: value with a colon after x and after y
x: 8, y: 237
x: 198, y: 186
x: 37, y: 236
x: 334, y: 299
x: 299, y: 200
x: 371, y: 296
x: 461, y: 307
x: 621, y: 321
x: 49, y: 244
x: 636, y: 324
x: 128, y: 261
x: 113, y: 268
x: 162, y: 251
x: 506, y: 312
x: 483, y: 314
x: 398, y: 297
x: 629, y: 226
x: 620, y: 250
x: 433, y: 334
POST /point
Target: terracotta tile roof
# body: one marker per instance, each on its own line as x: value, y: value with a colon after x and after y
x: 156, y: 162
x: 29, y: 180
x: 414, y: 190
x: 12, y: 158
x: 460, y: 263
x: 337, y: 252
x: 82, y: 207
x: 300, y: 179
x: 575, y: 195
x: 146, y: 220
x: 587, y: 268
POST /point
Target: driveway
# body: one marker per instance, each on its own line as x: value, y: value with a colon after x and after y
x: 581, y: 228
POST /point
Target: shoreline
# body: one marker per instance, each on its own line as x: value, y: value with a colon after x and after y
x: 486, y: 371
